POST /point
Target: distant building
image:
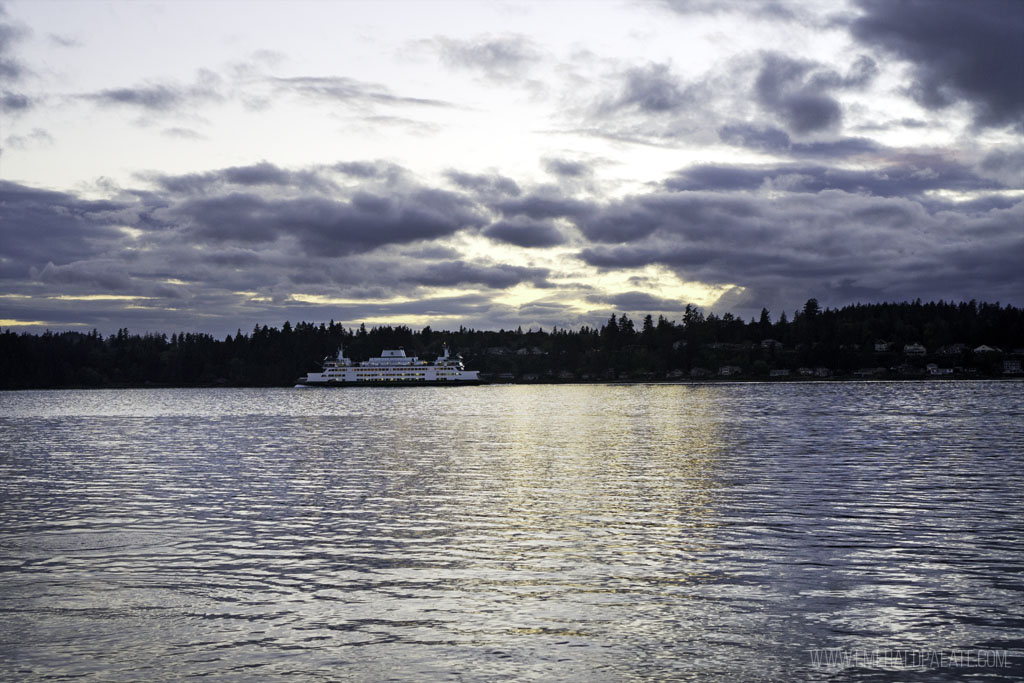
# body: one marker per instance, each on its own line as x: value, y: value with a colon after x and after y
x: 1011, y: 367
x: 952, y: 350
x: 700, y: 372
x: 781, y: 372
x: 771, y: 344
x: 914, y: 349
x: 675, y: 374
x: 822, y: 372
x: 869, y: 372
x: 806, y: 372
x: 881, y: 345
x: 934, y: 369
x: 729, y: 370
x: 987, y: 349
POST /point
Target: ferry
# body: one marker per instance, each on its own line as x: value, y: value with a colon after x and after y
x: 392, y: 368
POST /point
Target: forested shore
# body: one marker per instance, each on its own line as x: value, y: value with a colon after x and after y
x: 890, y: 340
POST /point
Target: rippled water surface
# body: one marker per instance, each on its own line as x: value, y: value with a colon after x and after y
x: 722, y: 532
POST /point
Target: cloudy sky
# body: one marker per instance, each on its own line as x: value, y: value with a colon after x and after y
x: 212, y: 165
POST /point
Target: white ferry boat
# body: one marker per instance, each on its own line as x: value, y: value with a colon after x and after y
x: 391, y: 368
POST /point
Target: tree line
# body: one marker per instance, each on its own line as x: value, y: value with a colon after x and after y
x: 841, y: 340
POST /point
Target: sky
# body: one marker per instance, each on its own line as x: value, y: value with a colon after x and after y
x: 210, y: 166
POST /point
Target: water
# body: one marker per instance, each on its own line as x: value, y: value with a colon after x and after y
x: 719, y: 532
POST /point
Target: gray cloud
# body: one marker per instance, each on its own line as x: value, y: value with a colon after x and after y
x: 13, y: 102
x: 492, y: 186
x: 794, y: 90
x: 453, y: 273
x: 263, y: 173
x: 183, y: 133
x: 12, y: 69
x: 784, y: 232
x: 162, y: 97
x: 830, y: 244
x: 960, y: 51
x: 775, y: 10
x: 776, y: 140
x: 104, y: 275
x: 542, y: 204
x: 39, y: 226
x: 158, y: 97
x: 38, y: 136
x: 342, y: 89
x: 913, y: 177
x: 525, y: 232
x: 64, y: 41
x: 650, y: 89
x: 499, y: 59
x: 327, y: 227
x: 637, y: 301
x: 566, y: 168
x: 379, y: 170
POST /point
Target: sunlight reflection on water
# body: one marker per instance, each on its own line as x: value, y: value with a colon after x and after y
x: 637, y: 531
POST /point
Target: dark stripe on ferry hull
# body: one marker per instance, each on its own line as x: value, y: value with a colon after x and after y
x: 398, y: 383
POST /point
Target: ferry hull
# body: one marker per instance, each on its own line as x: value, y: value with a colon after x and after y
x: 390, y: 383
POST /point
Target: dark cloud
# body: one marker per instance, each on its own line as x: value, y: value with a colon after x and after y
x: 541, y: 205
x: 499, y: 59
x: 40, y: 226
x: 835, y: 149
x: 454, y: 273
x: 777, y: 141
x: 237, y: 243
x: 102, y: 275
x: 1006, y: 164
x: 960, y: 51
x: 263, y: 173
x: 750, y: 136
x: 829, y: 244
x: 158, y: 97
x: 327, y: 227
x: 14, y: 102
x: 861, y: 73
x: 638, y: 301
x: 795, y: 91
x: 912, y: 178
x: 525, y: 232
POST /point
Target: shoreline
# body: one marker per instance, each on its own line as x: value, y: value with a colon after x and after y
x: 608, y: 382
